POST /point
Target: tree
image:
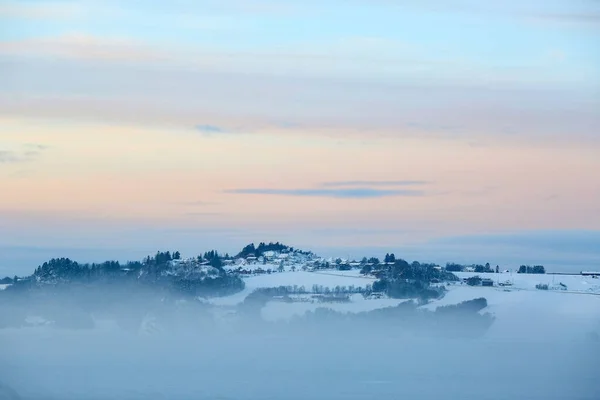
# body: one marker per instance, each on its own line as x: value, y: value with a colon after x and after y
x: 366, y: 269
x: 293, y: 268
x: 523, y: 269
x: 216, y: 263
x: 527, y: 269
x: 380, y: 285
x: 474, y: 281
x: 280, y: 268
x: 452, y: 267
x: 176, y: 255
x: 344, y: 267
x: 539, y: 269
x: 497, y: 269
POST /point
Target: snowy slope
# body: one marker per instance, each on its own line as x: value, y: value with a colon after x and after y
x: 573, y: 283
x: 518, y: 304
x: 300, y: 278
x: 276, y: 311
x: 546, y: 314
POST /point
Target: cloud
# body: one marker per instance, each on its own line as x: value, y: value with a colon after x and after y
x: 536, y: 242
x: 346, y: 193
x: 202, y: 214
x: 82, y: 46
x: 36, y: 146
x: 208, y: 129
x: 184, y: 88
x: 7, y: 157
x: 589, y: 19
x: 198, y: 203
x: 28, y: 153
x: 375, y: 183
x: 51, y: 10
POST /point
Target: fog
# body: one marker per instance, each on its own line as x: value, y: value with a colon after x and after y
x: 126, y: 343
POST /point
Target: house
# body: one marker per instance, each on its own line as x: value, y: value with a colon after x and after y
x: 487, y: 282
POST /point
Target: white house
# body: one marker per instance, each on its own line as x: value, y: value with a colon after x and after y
x: 270, y: 254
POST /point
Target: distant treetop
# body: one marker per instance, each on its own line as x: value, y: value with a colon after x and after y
x: 257, y: 251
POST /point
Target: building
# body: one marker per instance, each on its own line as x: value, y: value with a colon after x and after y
x: 487, y: 282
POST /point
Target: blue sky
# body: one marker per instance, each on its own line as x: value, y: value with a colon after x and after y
x: 288, y: 120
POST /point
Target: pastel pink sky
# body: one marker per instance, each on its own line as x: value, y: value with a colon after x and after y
x: 235, y: 121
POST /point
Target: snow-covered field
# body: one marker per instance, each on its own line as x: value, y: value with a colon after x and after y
x: 573, y: 283
x: 276, y: 310
x: 518, y: 304
x: 307, y: 279
x: 4, y: 286
x: 534, y: 350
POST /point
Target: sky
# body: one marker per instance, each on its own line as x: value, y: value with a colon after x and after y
x: 438, y: 128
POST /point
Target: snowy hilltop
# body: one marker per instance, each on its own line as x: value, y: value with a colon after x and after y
x: 275, y: 283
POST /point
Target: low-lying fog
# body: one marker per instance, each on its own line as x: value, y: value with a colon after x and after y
x: 204, y: 353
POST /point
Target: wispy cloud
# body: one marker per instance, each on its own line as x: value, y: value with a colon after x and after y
x: 35, y: 146
x: 28, y: 152
x: 51, y: 10
x: 82, y: 46
x: 344, y: 193
x: 564, y: 241
x: 209, y: 129
x: 7, y: 157
x: 202, y: 214
x: 375, y: 183
x: 198, y: 203
x: 589, y: 19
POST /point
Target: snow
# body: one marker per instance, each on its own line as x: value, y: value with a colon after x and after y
x: 574, y: 283
x: 277, y: 310
x: 307, y: 279
x: 547, y: 313
x: 520, y: 303
x: 4, y: 286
